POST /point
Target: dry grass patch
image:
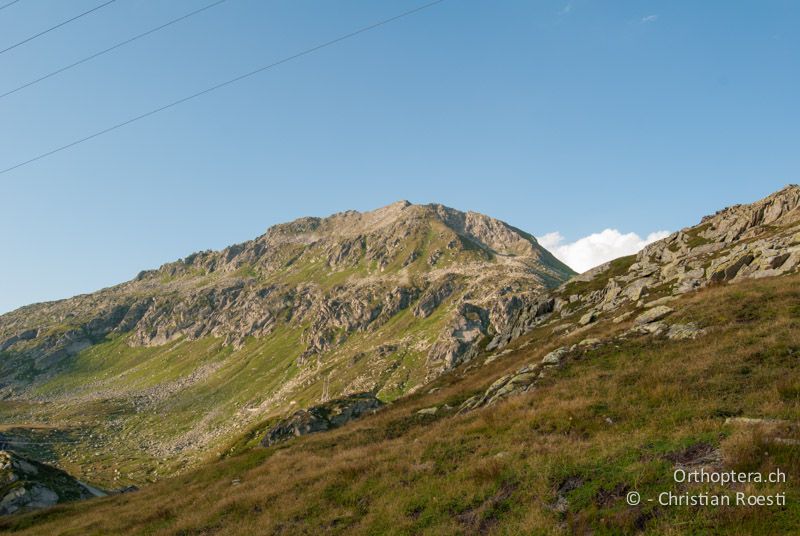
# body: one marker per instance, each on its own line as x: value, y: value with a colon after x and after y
x: 616, y: 420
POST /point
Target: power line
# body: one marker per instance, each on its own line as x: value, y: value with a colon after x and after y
x: 59, y: 25
x: 224, y: 84
x: 9, y: 4
x: 109, y: 49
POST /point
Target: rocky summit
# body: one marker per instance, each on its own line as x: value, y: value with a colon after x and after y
x: 182, y: 358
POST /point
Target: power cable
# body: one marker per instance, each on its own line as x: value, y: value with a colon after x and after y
x: 8, y: 4
x: 59, y: 25
x: 224, y: 84
x: 109, y: 49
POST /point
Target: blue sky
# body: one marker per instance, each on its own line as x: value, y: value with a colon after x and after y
x: 556, y: 116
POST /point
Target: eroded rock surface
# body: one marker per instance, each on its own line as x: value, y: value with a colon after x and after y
x: 320, y: 418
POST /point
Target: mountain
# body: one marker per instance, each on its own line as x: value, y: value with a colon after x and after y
x: 571, y: 416
x: 138, y: 381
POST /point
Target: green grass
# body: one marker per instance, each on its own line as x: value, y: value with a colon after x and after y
x: 123, y: 403
x: 499, y: 470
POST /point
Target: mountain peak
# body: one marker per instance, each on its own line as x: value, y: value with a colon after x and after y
x: 401, y: 219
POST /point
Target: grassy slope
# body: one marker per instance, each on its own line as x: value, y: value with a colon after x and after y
x: 104, y: 425
x: 497, y: 470
x: 104, y: 437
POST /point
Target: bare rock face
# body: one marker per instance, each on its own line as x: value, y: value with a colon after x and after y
x: 28, y: 485
x: 740, y: 221
x: 434, y: 297
x: 520, y: 321
x: 739, y: 242
x: 522, y: 381
x: 322, y: 418
x: 460, y: 341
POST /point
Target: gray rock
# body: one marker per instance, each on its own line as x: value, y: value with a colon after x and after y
x: 661, y: 301
x: 622, y: 318
x: 588, y: 318
x: 688, y: 285
x: 636, y: 289
x: 653, y: 328
x: 433, y: 298
x: 321, y: 418
x: 654, y: 314
x: 29, y: 485
x: 684, y: 331
x: 458, y: 343
x: 555, y: 357
x: 517, y: 383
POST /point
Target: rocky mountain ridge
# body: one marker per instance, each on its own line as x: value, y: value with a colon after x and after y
x: 740, y: 242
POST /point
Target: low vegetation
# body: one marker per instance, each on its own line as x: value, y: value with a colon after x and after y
x: 559, y: 459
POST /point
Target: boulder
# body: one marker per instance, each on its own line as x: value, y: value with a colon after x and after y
x: 636, y: 289
x: 684, y: 331
x: 654, y: 314
x: 555, y: 357
x: 622, y: 318
x: 26, y: 484
x: 511, y: 384
x: 661, y: 301
x: 588, y: 318
x: 320, y: 418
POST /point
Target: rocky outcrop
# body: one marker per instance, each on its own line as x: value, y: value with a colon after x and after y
x: 434, y: 297
x: 322, y: 418
x: 26, y: 485
x: 745, y: 241
x: 460, y: 340
x: 521, y: 381
x: 741, y: 221
x: 737, y: 243
x: 521, y: 320
x: 653, y: 314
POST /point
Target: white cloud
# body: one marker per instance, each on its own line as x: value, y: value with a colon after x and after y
x: 649, y: 18
x: 597, y: 248
x: 567, y: 9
